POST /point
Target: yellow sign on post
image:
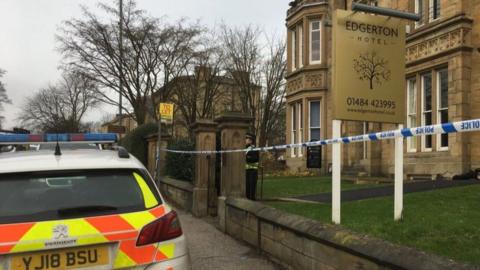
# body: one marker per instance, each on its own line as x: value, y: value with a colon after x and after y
x: 368, y: 67
x: 165, y: 110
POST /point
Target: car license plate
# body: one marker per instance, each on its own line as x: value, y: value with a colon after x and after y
x: 62, y: 259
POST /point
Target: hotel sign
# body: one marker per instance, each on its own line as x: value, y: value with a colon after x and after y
x: 368, y: 67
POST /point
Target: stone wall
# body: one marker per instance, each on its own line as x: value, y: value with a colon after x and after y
x: 178, y: 192
x: 296, y: 242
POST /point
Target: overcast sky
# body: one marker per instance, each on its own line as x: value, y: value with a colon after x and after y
x: 28, y: 27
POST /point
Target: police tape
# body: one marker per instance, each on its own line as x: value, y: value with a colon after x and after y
x: 460, y: 126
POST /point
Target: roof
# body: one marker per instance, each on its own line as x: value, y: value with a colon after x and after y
x: 117, y: 119
x: 31, y: 161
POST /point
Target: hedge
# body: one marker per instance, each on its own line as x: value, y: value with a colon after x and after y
x: 180, y: 166
x: 135, y: 141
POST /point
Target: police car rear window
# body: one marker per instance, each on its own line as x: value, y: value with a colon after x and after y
x: 40, y: 196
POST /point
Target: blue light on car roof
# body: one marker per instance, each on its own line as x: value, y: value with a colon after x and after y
x: 57, y: 137
x: 14, y: 138
x: 100, y: 137
x: 64, y: 137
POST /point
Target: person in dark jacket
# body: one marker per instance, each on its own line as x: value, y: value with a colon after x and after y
x: 251, y: 166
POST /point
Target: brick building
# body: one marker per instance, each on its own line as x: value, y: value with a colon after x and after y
x: 442, y: 84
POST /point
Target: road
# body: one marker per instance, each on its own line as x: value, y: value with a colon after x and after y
x: 211, y: 249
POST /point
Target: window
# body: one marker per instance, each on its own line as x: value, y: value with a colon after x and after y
x: 294, y: 129
x: 434, y: 9
x: 41, y: 196
x: 419, y: 11
x: 297, y: 127
x: 315, y: 42
x: 442, y: 106
x: 427, y: 109
x: 294, y: 49
x: 411, y: 112
x: 300, y: 46
x: 300, y: 127
x: 314, y: 120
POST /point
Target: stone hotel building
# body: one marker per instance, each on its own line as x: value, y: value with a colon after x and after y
x: 442, y: 84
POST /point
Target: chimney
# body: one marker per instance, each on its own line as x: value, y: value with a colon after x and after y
x: 202, y: 73
x: 241, y: 76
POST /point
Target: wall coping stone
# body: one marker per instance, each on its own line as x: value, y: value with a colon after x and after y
x: 233, y: 120
x: 154, y: 136
x: 374, y: 249
x: 204, y: 125
x: 183, y: 185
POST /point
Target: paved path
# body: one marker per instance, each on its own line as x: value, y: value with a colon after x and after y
x: 211, y: 249
x: 367, y: 193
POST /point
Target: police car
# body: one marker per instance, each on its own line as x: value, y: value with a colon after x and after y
x: 83, y: 209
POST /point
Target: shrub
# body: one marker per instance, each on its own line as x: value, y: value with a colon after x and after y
x: 180, y: 166
x: 135, y: 141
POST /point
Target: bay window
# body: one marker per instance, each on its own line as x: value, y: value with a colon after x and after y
x: 314, y: 128
x: 293, y: 139
x: 442, y: 106
x: 427, y: 109
x: 419, y: 11
x: 296, y: 127
x: 300, y: 127
x: 315, y: 42
x: 411, y: 112
x: 293, y: 47
x: 434, y: 9
x: 300, y: 46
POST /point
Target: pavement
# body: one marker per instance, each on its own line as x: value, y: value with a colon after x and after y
x: 368, y: 193
x: 212, y: 249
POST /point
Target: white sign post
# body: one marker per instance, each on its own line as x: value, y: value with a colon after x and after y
x: 336, y: 172
x: 398, y: 197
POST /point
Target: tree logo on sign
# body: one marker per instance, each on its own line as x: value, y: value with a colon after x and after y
x: 372, y: 67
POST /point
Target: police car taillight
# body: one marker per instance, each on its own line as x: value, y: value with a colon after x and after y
x: 162, y: 229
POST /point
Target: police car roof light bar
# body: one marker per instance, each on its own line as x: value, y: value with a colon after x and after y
x: 8, y: 139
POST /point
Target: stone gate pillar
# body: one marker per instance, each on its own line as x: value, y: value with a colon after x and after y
x: 152, y: 152
x: 204, y: 191
x: 233, y: 127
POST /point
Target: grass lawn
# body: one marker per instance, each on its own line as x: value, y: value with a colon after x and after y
x: 445, y: 222
x: 276, y: 187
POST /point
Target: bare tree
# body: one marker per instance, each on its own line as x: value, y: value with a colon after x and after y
x: 243, y: 58
x: 372, y: 68
x: 3, y: 96
x: 152, y: 53
x: 61, y: 107
x: 259, y: 76
x: 177, y: 53
x: 272, y: 102
x: 197, y: 92
x: 107, y: 117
